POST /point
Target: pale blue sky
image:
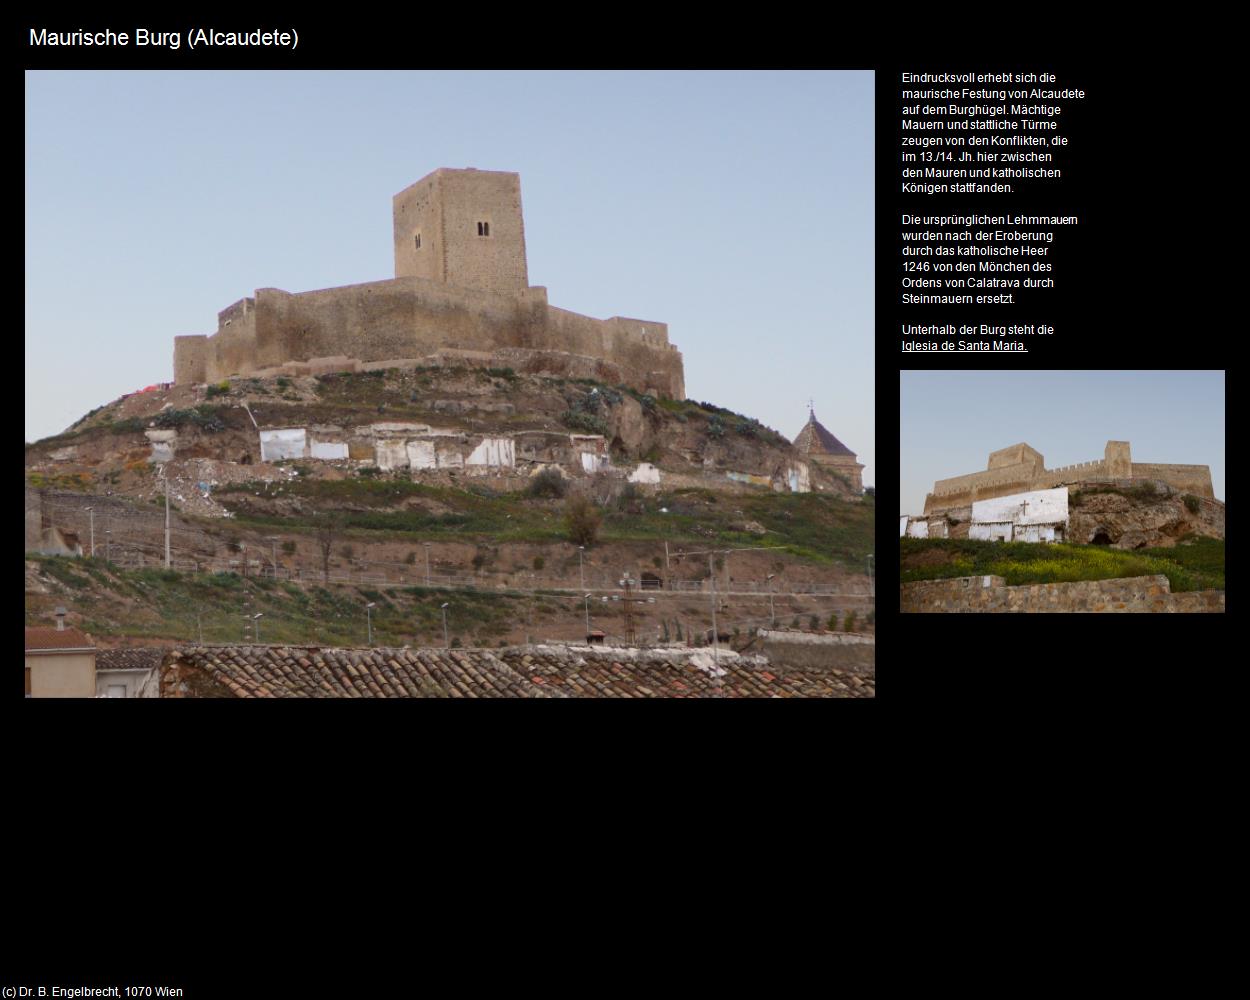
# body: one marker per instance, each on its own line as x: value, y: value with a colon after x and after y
x: 952, y: 420
x: 735, y: 206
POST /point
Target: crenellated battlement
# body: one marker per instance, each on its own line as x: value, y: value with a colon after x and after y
x: 461, y: 284
x: 1019, y: 469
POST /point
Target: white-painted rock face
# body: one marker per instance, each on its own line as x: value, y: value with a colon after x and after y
x: 799, y: 478
x: 421, y: 455
x: 390, y: 454
x: 918, y: 529
x: 902, y: 526
x: 493, y: 452
x: 282, y: 443
x: 448, y: 455
x: 645, y: 473
x: 328, y: 450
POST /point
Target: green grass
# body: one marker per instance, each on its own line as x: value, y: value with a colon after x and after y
x: 163, y: 605
x: 1195, y: 566
x: 812, y: 526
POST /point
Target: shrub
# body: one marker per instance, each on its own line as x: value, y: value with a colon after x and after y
x: 539, y: 562
x: 848, y: 625
x: 203, y: 417
x: 814, y: 622
x: 579, y: 420
x: 832, y: 624
x: 657, y: 562
x: 548, y: 483
x: 220, y: 389
x: 288, y: 548
x: 347, y: 552
x: 1191, y: 503
x: 410, y: 558
x: 370, y: 472
x: 747, y: 428
x: 648, y: 403
x: 715, y: 427
x: 505, y: 373
x: 283, y: 382
x: 479, y: 560
x: 582, y: 519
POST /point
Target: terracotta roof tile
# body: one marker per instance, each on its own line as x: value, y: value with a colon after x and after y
x: 52, y: 639
x: 518, y: 672
x: 815, y: 437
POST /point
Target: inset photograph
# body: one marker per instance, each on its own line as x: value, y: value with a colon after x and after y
x: 1062, y: 491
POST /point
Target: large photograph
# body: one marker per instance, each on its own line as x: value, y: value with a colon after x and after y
x: 542, y: 384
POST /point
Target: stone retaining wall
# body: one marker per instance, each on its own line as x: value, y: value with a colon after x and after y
x: 1139, y: 594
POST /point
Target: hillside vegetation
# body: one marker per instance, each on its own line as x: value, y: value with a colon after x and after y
x: 815, y: 527
x: 1194, y: 564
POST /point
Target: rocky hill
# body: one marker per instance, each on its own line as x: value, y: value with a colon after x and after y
x: 440, y: 480
x: 1126, y: 515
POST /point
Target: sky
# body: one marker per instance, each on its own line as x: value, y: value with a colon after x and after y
x: 952, y: 420
x: 737, y: 207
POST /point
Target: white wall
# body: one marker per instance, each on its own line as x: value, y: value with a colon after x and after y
x: 1034, y: 507
x: 329, y: 450
x: 283, y: 443
x: 493, y: 451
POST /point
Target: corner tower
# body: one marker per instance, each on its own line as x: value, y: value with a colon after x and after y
x: 462, y: 228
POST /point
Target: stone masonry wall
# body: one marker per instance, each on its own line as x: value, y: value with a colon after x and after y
x: 980, y: 594
x: 412, y: 317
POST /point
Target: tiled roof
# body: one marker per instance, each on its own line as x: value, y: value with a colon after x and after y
x: 815, y: 437
x: 314, y: 672
x: 518, y: 672
x: 52, y: 639
x: 612, y: 672
x: 129, y: 658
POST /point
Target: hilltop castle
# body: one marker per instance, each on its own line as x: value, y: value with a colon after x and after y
x: 460, y: 294
x: 1020, y: 469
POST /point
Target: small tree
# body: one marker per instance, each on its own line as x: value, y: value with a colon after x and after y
x: 548, y: 483
x: 848, y: 624
x: 328, y: 527
x: 582, y: 519
x: 539, y: 562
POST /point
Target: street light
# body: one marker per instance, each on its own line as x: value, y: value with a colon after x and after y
x: 108, y: 544
x: 274, y: 540
x: 91, y: 514
x: 581, y: 569
x: 256, y: 626
x: 587, y: 602
x: 446, y: 644
x: 369, y: 614
x: 872, y: 594
x: 427, y: 564
x: 772, y: 615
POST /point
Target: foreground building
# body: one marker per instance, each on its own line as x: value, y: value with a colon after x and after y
x: 542, y: 671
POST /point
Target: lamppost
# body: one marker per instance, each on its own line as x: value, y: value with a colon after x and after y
x: 91, y: 514
x: 711, y: 572
x: 581, y: 569
x: 256, y: 626
x: 872, y: 594
x: 427, y: 564
x: 446, y: 644
x: 108, y: 544
x: 587, y: 602
x: 274, y: 540
x: 369, y: 614
x: 772, y: 614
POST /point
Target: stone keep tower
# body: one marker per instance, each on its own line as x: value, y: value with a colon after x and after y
x: 462, y: 228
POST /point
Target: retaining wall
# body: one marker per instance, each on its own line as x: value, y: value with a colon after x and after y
x: 972, y: 594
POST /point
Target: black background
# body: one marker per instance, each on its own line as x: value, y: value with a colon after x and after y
x: 973, y: 711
